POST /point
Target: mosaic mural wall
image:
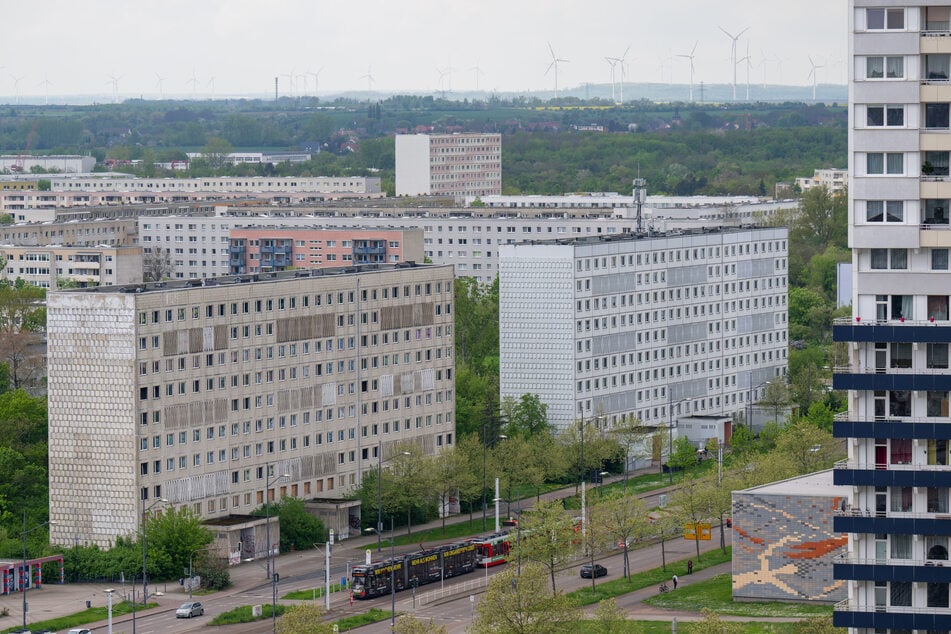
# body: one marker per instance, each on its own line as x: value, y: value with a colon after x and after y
x: 783, y: 547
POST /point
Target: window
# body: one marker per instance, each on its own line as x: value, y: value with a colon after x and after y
x: 900, y: 593
x: 878, y: 19
x: 889, y: 258
x: 936, y: 115
x: 891, y: 116
x: 938, y: 307
x: 935, y: 164
x: 901, y: 499
x: 936, y: 211
x: 884, y: 210
x: 937, y: 355
x: 884, y: 163
x: 878, y: 67
x: 937, y: 66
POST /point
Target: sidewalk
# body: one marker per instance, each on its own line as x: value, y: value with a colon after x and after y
x: 53, y: 600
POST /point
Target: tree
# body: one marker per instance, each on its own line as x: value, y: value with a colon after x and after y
x: 610, y: 619
x: 816, y: 625
x: 448, y: 473
x: 684, y: 455
x: 172, y: 537
x: 808, y: 447
x: 216, y: 151
x: 636, y: 440
x: 691, y: 505
x: 410, y: 486
x: 711, y: 623
x: 518, y: 465
x: 409, y: 624
x: 529, y: 417
x: 22, y: 318
x: 299, y: 529
x: 303, y: 618
x: 548, y: 536
x: 775, y: 396
x: 624, y: 518
x: 520, y: 604
x: 157, y: 264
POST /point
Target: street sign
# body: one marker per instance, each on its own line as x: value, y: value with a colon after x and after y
x: 368, y: 556
x: 699, y: 531
x: 331, y: 537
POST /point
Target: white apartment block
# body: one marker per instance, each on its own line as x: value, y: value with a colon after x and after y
x: 60, y: 162
x: 897, y: 377
x: 686, y: 323
x: 86, y: 266
x: 835, y: 180
x: 448, y: 164
x: 116, y: 182
x: 190, y: 390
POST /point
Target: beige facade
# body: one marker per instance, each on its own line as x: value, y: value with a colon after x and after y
x: 47, y: 266
x: 116, y: 232
x: 835, y: 180
x: 448, y: 164
x: 188, y: 390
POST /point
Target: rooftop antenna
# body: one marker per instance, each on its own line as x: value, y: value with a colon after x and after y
x: 46, y: 83
x: 555, y: 60
x: 813, y: 75
x: 733, y: 60
x: 160, y: 83
x: 690, y: 57
x: 640, y: 194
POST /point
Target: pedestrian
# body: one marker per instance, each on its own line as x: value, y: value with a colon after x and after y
x: 675, y: 582
x: 690, y: 566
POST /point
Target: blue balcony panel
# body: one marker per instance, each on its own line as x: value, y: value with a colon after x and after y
x: 891, y: 428
x: 871, y: 381
x: 856, y: 523
x: 887, y: 572
x: 925, y: 332
x: 926, y: 620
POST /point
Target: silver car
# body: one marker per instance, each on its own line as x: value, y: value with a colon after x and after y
x: 188, y: 610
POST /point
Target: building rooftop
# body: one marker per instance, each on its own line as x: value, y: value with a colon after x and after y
x: 250, y: 278
x: 631, y: 236
x: 818, y: 483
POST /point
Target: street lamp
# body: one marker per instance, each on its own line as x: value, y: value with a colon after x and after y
x: 26, y: 570
x: 670, y: 432
x: 379, y: 492
x: 268, y: 481
x: 392, y: 570
x: 109, y: 591
x: 146, y: 509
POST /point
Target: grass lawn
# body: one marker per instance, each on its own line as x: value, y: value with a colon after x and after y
x: 653, y: 577
x: 310, y: 595
x: 453, y: 531
x: 375, y: 615
x: 663, y: 627
x: 82, y: 618
x: 715, y: 594
x: 242, y: 614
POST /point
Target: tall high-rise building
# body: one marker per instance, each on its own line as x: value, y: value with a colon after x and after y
x: 448, y: 164
x: 191, y: 391
x: 898, y: 377
x: 651, y: 327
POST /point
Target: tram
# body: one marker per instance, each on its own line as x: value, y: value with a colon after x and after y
x: 413, y: 569
x: 492, y: 550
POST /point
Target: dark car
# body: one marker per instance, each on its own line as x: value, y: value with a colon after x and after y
x: 597, y: 569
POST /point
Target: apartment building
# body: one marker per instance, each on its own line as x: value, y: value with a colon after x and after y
x: 651, y: 326
x: 835, y: 180
x: 83, y: 266
x: 898, y: 376
x: 448, y: 164
x: 265, y: 249
x: 191, y: 390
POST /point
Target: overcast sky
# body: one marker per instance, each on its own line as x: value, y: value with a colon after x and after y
x: 237, y: 47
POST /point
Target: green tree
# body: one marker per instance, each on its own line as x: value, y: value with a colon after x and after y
x: 448, y: 473
x: 548, y: 535
x: 711, y: 623
x: 816, y: 625
x: 624, y: 519
x: 776, y: 397
x: 808, y: 447
x: 172, y: 537
x: 529, y: 417
x: 610, y: 619
x: 216, y: 151
x: 300, y: 530
x: 691, y: 505
x: 520, y: 604
x: 303, y: 618
x: 683, y: 456
x: 409, y: 624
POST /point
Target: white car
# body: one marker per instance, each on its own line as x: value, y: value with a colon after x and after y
x: 188, y: 610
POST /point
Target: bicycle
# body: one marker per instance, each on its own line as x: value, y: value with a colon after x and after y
x: 664, y: 588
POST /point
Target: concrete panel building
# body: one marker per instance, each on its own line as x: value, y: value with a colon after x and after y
x: 651, y: 326
x: 192, y: 390
x: 784, y: 542
x: 86, y: 266
x: 58, y: 162
x: 898, y: 378
x: 448, y: 164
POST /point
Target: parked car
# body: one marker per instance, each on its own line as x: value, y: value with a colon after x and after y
x: 597, y: 570
x: 188, y: 610
x: 80, y: 631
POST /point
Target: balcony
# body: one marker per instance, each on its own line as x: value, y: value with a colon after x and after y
x: 893, y: 379
x: 901, y: 523
x: 908, y: 570
x: 892, y: 474
x: 902, y: 428
x: 850, y: 613
x: 870, y: 330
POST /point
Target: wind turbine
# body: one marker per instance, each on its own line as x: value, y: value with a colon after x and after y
x: 813, y: 74
x: 612, y: 62
x: 316, y: 77
x: 194, y: 82
x: 690, y: 57
x: 733, y: 53
x: 749, y: 65
x: 554, y: 64
x: 16, y: 87
x: 369, y: 78
x: 46, y: 83
x: 477, y: 71
x: 211, y: 85
x: 619, y: 61
x: 160, y: 83
x: 115, y: 87
x: 441, y: 81
x: 290, y: 82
